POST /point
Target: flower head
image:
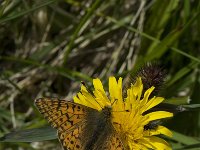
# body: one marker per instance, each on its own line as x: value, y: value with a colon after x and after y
x: 129, y: 114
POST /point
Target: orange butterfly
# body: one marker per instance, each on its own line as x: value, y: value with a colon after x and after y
x: 80, y: 127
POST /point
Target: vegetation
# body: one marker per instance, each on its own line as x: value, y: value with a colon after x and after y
x: 49, y: 46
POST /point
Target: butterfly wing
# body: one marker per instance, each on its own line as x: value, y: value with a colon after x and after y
x: 71, y: 140
x: 115, y: 143
x: 67, y: 117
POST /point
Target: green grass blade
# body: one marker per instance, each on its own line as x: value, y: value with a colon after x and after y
x: 190, y: 147
x: 182, y: 72
x: 8, y: 18
x: 30, y: 135
x: 162, y: 47
x: 184, y: 139
x: 192, y: 107
x: 87, y: 16
x: 155, y: 39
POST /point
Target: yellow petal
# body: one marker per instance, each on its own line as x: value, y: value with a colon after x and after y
x: 112, y: 86
x: 146, y: 96
x: 131, y: 99
x: 152, y: 102
x: 85, y: 98
x: 165, y: 131
x: 83, y: 88
x: 100, y: 94
x: 115, y: 89
x: 145, y: 142
x: 80, y: 99
x: 159, y: 130
x: 98, y: 85
x: 91, y: 101
x: 157, y: 143
x: 158, y: 115
x: 137, y: 88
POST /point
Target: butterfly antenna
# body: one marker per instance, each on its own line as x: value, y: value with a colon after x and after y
x: 114, y: 101
x: 122, y: 111
x: 98, y: 103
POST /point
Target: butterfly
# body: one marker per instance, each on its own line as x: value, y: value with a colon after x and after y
x: 80, y: 127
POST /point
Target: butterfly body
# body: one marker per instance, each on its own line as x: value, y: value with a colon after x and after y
x: 80, y: 127
x: 98, y: 129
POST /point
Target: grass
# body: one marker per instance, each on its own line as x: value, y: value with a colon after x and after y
x: 48, y: 47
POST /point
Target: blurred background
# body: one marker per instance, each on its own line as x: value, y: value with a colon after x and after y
x: 48, y: 46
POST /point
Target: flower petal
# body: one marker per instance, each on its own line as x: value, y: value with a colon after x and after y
x: 100, y: 94
x: 115, y: 89
x: 137, y: 88
x: 158, y: 115
x: 159, y: 130
x: 156, y: 142
x: 165, y: 131
x: 83, y: 100
x: 90, y: 99
x: 144, y: 101
x: 153, y: 102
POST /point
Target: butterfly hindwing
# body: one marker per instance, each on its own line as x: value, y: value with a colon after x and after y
x: 71, y: 140
x: 115, y: 143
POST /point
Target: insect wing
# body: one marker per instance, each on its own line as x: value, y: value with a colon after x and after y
x: 115, y: 143
x: 67, y: 117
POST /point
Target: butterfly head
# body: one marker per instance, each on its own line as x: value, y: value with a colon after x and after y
x: 107, y: 111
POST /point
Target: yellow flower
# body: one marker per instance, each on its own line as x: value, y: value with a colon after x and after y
x: 128, y: 113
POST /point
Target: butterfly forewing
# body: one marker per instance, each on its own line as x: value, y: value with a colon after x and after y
x: 61, y: 114
x: 67, y: 117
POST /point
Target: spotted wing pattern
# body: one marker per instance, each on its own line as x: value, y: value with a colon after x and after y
x: 67, y: 117
x: 71, y: 140
x: 115, y: 143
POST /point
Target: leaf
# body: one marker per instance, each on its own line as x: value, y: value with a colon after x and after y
x: 162, y: 47
x: 190, y: 147
x: 184, y: 139
x: 178, y: 100
x: 192, y: 106
x: 30, y: 135
x: 80, y: 27
x: 182, y: 72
